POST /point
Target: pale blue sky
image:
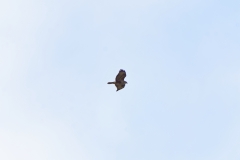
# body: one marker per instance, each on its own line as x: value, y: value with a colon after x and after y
x: 182, y: 100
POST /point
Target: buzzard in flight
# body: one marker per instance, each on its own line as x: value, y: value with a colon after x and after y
x: 119, y: 81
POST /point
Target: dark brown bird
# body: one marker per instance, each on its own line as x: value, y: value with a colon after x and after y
x: 119, y: 81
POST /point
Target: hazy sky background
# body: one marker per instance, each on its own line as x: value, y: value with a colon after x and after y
x: 182, y: 100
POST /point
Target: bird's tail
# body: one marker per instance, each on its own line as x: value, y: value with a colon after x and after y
x: 111, y: 83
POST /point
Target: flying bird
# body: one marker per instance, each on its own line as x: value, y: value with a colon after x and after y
x: 119, y: 81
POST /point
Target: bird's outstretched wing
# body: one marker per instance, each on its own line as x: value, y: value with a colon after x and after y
x: 121, y: 75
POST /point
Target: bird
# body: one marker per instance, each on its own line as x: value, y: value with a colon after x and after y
x: 119, y: 81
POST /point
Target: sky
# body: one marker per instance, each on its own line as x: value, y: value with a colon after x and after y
x: 182, y: 100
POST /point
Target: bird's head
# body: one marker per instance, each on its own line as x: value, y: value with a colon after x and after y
x: 125, y: 82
